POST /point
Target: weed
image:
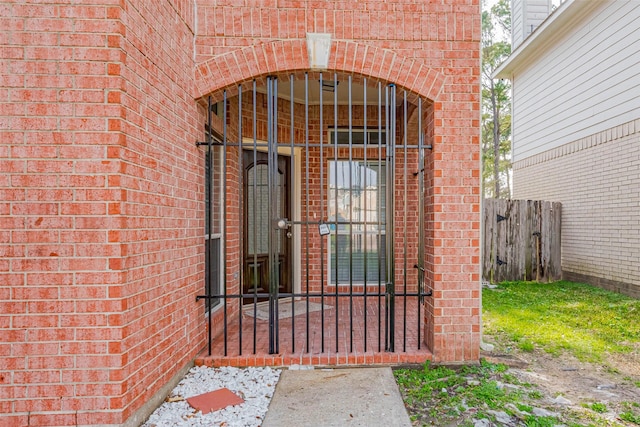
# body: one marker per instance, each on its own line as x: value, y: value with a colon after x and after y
x: 535, y: 394
x: 488, y: 393
x: 598, y: 407
x: 630, y: 417
x: 512, y: 379
x: 526, y: 345
x: 611, y: 369
x: 533, y: 421
x: 524, y: 408
x: 449, y: 394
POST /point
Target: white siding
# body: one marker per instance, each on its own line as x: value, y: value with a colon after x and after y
x: 517, y: 23
x: 536, y: 11
x: 587, y: 82
x: 526, y: 15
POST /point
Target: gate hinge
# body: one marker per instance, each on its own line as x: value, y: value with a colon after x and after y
x: 501, y: 218
x: 500, y: 262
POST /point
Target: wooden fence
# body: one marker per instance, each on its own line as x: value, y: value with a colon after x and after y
x: 521, y: 240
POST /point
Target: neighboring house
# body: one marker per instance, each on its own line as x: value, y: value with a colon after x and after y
x: 576, y: 130
x: 166, y: 165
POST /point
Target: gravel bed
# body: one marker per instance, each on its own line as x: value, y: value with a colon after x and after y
x: 255, y: 385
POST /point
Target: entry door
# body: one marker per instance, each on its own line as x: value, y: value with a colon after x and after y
x: 264, y: 204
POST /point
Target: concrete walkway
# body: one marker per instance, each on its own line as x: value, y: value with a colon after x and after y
x: 337, y: 397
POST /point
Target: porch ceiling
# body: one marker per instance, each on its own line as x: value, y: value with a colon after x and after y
x: 328, y: 93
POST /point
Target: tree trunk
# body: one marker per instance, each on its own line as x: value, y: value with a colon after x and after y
x: 507, y: 168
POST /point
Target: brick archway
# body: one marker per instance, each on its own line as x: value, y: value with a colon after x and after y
x: 345, y: 56
x: 451, y: 333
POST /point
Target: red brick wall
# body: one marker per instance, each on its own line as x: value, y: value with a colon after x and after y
x: 101, y: 192
x: 161, y: 179
x: 100, y: 209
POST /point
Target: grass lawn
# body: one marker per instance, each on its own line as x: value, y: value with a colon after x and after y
x: 583, y: 320
x: 561, y: 318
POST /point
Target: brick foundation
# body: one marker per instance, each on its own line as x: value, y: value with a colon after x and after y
x: 593, y: 250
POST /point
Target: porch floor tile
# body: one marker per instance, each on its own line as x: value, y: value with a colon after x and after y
x: 354, y: 337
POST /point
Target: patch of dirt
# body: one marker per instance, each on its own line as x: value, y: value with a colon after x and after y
x: 567, y: 376
x: 613, y: 382
x: 558, y: 390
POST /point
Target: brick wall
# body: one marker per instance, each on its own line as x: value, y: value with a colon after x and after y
x: 161, y: 178
x: 596, y: 179
x: 100, y: 208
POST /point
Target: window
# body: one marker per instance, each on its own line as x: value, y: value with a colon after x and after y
x: 213, y: 224
x: 357, y: 195
x: 358, y: 136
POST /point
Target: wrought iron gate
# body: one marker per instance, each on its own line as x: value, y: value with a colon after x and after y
x: 322, y: 208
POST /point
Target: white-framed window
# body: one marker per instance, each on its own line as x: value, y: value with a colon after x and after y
x: 357, y: 216
x: 214, y: 223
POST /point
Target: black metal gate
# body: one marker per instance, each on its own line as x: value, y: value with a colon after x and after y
x: 321, y: 209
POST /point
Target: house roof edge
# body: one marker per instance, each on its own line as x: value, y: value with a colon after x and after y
x: 546, y: 32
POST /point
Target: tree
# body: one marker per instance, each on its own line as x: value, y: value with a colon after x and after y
x: 496, y: 102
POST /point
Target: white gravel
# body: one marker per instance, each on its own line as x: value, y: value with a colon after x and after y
x: 254, y: 385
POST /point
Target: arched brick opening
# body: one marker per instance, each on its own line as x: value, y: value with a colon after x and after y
x: 451, y: 317
x: 256, y: 61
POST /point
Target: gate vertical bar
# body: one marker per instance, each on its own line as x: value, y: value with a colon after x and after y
x: 335, y: 154
x: 322, y: 201
x: 224, y: 215
x: 387, y: 213
x: 405, y: 183
x: 253, y: 213
x: 306, y: 197
x: 350, y: 218
x: 240, y: 218
x: 272, y: 163
x: 209, y: 224
x: 366, y: 212
x: 379, y: 225
x: 390, y: 217
x: 420, y: 264
x: 292, y: 190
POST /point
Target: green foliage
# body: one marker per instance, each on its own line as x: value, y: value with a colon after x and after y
x: 488, y: 393
x: 524, y: 408
x: 422, y: 384
x: 449, y: 392
x: 533, y: 421
x: 496, y: 101
x: 535, y: 394
x: 583, y: 320
x: 631, y: 413
x: 598, y: 407
x: 630, y: 417
x: 526, y: 345
x: 588, y: 322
